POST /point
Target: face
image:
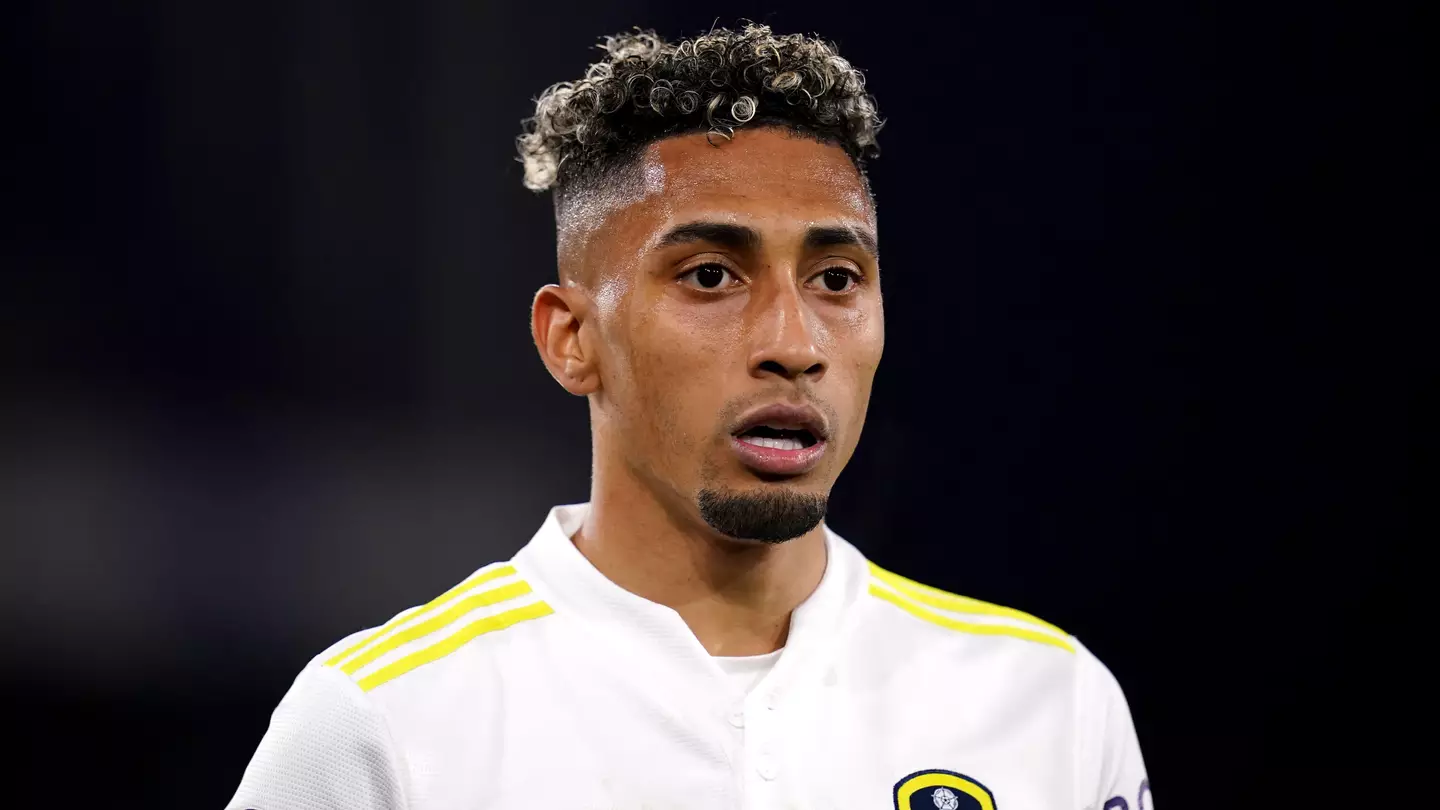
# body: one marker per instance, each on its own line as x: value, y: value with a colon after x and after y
x: 727, y: 324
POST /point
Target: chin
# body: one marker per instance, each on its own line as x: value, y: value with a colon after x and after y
x: 767, y: 513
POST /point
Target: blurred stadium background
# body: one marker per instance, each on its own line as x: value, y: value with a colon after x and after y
x: 268, y: 377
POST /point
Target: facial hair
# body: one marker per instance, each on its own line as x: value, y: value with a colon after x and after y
x: 771, y: 516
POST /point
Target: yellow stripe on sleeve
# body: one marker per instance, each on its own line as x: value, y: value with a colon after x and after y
x: 430, y: 625
x: 467, y: 585
x: 967, y: 627
x: 934, y: 597
x: 440, y: 649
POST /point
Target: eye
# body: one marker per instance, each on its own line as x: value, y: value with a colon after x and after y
x: 838, y: 279
x: 709, y: 277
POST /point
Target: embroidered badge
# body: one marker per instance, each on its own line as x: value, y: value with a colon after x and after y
x: 942, y: 790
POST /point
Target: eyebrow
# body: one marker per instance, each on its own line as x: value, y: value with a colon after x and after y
x: 735, y: 237
x: 834, y: 237
x: 744, y: 238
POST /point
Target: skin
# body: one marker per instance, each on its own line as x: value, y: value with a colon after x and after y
x: 670, y: 367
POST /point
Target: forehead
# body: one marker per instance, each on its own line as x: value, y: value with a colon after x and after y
x: 766, y: 178
x: 765, y: 171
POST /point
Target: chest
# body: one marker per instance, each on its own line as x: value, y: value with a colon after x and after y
x: 849, y: 733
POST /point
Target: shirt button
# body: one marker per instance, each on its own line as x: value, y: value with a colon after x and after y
x: 737, y: 718
x: 767, y: 767
x: 772, y: 701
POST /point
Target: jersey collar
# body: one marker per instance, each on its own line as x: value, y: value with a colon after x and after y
x: 573, y: 585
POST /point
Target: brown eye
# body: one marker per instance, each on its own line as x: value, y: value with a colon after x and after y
x: 708, y: 276
x: 838, y: 280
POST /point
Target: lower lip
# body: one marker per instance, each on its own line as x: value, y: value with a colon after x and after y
x: 778, y: 462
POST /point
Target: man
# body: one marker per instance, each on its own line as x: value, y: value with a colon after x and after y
x: 694, y: 636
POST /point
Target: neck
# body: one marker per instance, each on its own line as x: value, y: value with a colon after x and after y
x: 736, y: 596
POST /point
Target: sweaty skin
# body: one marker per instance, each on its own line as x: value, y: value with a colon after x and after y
x: 671, y: 367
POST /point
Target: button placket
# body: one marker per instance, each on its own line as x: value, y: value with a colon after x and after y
x: 761, y: 738
x: 737, y: 716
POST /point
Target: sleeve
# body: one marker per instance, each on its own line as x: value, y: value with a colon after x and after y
x: 1114, y: 776
x: 328, y: 748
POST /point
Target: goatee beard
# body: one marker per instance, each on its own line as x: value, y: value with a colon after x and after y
x: 769, y: 516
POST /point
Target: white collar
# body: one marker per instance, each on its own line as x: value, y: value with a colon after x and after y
x: 572, y: 584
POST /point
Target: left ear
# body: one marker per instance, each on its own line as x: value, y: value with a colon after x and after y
x: 556, y: 317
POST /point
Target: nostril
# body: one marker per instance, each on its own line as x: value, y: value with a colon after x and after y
x: 774, y: 368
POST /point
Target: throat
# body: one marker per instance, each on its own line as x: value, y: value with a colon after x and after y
x: 735, y: 597
x: 737, y: 633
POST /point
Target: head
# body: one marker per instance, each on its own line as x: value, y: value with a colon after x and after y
x: 719, y: 294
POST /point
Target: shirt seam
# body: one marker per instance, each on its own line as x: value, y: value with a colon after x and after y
x: 393, y: 758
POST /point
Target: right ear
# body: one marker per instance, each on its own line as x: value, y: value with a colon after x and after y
x: 556, y: 316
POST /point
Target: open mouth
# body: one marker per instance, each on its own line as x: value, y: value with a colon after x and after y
x: 781, y: 440
x: 778, y: 438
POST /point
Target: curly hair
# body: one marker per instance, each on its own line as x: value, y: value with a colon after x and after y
x: 646, y: 89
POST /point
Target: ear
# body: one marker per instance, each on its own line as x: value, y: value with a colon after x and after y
x: 556, y: 316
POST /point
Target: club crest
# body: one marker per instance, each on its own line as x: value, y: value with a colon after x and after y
x: 941, y: 790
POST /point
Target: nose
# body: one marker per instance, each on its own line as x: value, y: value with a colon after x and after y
x: 784, y: 339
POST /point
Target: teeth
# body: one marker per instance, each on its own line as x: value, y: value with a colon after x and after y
x: 774, y: 443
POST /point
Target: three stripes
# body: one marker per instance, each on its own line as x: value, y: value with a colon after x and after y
x: 424, y: 634
x: 918, y: 599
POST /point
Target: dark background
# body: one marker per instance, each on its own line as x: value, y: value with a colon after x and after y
x: 268, y: 377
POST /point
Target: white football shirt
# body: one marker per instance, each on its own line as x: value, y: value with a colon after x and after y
x: 540, y: 683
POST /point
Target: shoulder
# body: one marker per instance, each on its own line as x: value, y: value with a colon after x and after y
x: 326, y: 743
x: 493, y: 598
x: 942, y: 636
x: 922, y: 617
x: 926, y: 613
x: 340, y: 730
x: 948, y: 629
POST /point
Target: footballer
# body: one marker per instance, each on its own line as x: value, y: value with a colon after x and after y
x: 694, y: 635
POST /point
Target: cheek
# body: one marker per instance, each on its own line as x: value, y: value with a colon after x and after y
x: 857, y: 340
x: 677, y: 359
x: 680, y: 347
x: 874, y: 341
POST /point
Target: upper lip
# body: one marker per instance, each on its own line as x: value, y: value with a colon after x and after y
x: 789, y: 417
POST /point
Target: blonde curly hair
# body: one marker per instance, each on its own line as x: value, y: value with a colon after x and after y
x: 646, y: 89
